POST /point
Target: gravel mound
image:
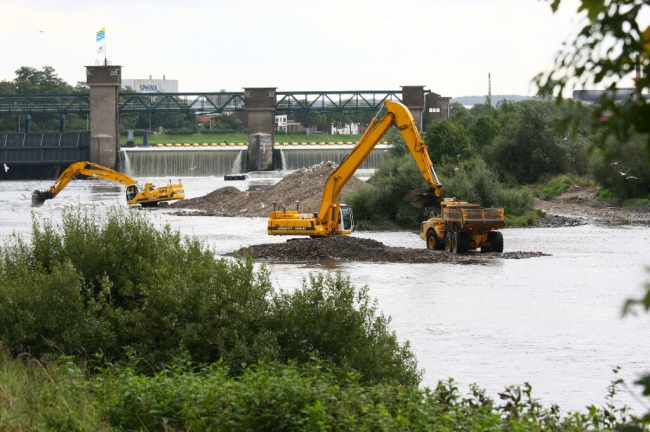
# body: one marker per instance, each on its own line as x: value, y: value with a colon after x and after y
x: 305, y: 185
x: 556, y: 221
x: 346, y: 248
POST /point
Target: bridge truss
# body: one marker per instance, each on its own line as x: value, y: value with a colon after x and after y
x: 199, y: 103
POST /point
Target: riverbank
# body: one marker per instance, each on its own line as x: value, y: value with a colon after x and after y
x: 582, y: 204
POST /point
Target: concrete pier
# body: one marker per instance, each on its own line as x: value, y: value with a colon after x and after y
x: 104, y: 83
x: 260, y: 110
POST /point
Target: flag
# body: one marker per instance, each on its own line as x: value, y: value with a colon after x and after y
x: 101, y: 34
x: 101, y: 49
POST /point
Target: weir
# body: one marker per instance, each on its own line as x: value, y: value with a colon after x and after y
x: 217, y: 162
x: 294, y: 158
x: 183, y: 163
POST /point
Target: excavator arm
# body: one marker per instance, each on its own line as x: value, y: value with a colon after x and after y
x: 399, y: 116
x: 149, y: 196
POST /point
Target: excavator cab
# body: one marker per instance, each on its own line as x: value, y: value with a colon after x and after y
x: 346, y: 220
x: 131, y: 192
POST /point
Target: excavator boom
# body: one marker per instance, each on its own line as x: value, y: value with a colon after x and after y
x: 150, y: 195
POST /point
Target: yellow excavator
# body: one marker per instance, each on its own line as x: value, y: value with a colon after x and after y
x: 147, y: 196
x: 333, y: 217
x: 455, y: 226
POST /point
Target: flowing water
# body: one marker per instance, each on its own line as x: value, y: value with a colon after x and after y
x: 552, y: 321
x: 218, y: 161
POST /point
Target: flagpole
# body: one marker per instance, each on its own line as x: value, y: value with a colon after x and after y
x: 105, y: 48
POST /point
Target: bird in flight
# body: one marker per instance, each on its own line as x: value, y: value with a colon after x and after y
x: 193, y: 167
x: 622, y: 173
x: 6, y: 167
x: 631, y: 177
x: 42, y: 31
x: 615, y: 163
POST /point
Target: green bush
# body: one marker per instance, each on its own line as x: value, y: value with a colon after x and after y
x: 320, y: 397
x: 382, y: 198
x: 104, y: 283
x: 627, y: 176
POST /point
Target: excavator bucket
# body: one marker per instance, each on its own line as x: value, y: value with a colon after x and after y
x: 39, y: 197
x: 422, y: 198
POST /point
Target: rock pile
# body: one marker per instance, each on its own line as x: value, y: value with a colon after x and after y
x: 347, y: 248
x: 556, y: 221
x: 304, y: 185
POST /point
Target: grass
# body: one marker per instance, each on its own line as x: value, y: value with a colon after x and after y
x: 638, y: 204
x: 240, y: 138
x: 38, y: 396
x: 527, y: 219
x: 561, y: 184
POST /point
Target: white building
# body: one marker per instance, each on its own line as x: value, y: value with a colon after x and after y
x: 352, y: 128
x: 151, y: 85
x: 281, y: 122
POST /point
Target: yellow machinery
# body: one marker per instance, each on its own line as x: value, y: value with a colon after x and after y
x: 455, y: 226
x: 146, y: 196
x: 336, y: 218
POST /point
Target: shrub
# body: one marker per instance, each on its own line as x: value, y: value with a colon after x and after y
x: 626, y: 177
x: 360, y: 339
x: 104, y: 283
x: 382, y: 199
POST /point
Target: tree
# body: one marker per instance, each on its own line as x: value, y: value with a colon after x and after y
x: 310, y: 118
x: 606, y: 50
x: 45, y: 81
x: 528, y: 148
x: 446, y: 140
x: 479, y: 110
x: 459, y: 114
x: 483, y: 131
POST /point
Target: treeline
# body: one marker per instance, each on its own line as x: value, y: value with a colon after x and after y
x: 108, y: 323
x: 29, y: 80
x: 492, y: 156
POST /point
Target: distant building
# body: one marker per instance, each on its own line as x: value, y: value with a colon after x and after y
x: 436, y: 108
x: 593, y: 96
x: 281, y: 122
x: 347, y: 129
x: 151, y: 85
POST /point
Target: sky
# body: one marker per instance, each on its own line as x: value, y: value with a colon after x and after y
x: 449, y: 46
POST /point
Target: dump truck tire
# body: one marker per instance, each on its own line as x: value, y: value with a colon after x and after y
x: 463, y: 242
x: 454, y: 243
x: 497, y: 242
x: 448, y: 242
x: 433, y: 242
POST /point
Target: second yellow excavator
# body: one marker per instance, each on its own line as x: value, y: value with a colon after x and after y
x: 147, y: 195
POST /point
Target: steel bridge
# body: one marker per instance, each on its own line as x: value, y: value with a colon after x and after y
x: 199, y: 103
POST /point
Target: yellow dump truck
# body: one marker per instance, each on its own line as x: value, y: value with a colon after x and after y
x: 458, y: 226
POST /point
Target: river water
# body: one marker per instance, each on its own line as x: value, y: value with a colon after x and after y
x: 552, y: 321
